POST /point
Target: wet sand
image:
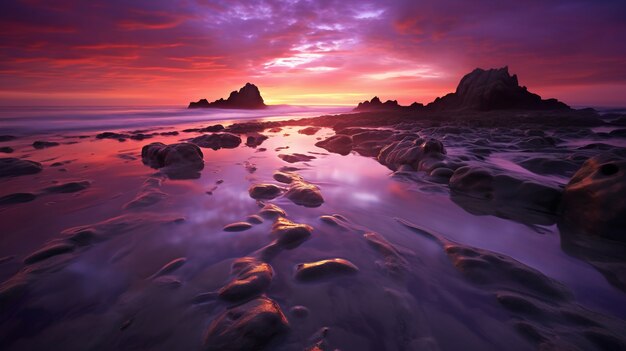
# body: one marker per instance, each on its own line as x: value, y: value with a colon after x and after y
x: 108, y: 253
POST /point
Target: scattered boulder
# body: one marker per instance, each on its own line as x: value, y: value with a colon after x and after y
x: 309, y: 130
x: 212, y: 129
x: 505, y: 194
x: 254, y: 219
x: 13, y: 167
x: 264, y: 191
x: 249, y: 326
x: 324, y: 269
x: 252, y: 278
x: 140, y: 136
x: 594, y: 200
x: 237, y: 227
x: 112, y: 135
x: 304, y: 194
x: 272, y: 211
x: 289, y: 234
x: 217, y: 141
x: 283, y: 177
x: 178, y: 161
x: 339, y: 144
x: 293, y: 158
x: 17, y: 198
x: 70, y: 187
x: 40, y: 144
x: 420, y: 154
x: 255, y: 139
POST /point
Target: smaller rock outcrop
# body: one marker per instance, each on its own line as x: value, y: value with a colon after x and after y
x: 390, y: 105
x: 249, y: 326
x: 183, y: 160
x: 217, y: 141
x: 12, y: 167
x: 248, y: 97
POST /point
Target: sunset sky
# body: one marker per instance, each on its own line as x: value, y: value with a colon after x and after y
x: 149, y: 52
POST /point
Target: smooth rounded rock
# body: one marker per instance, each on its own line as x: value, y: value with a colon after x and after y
x: 252, y: 278
x: 305, y: 194
x: 339, y: 144
x: 324, y: 269
x: 290, y: 234
x: 13, y: 167
x: 237, y: 227
x: 594, y: 200
x: 249, y: 326
x: 264, y: 191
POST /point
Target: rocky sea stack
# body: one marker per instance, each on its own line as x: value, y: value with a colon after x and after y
x: 480, y: 90
x: 248, y: 97
x: 390, y: 105
x: 493, y: 89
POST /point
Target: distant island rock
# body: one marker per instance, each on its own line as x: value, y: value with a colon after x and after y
x: 493, y: 89
x: 248, y: 97
x: 390, y: 105
x: 480, y: 90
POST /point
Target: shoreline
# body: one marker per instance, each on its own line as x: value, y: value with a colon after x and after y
x: 396, y: 218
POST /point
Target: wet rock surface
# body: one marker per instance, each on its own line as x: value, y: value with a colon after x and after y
x: 341, y: 144
x: 217, y: 141
x: 252, y: 277
x: 304, y: 194
x: 17, y: 198
x: 162, y: 273
x: 523, y: 292
x: 504, y: 192
x: 324, y: 269
x: 181, y: 160
x: 293, y: 158
x: 289, y: 234
x: 237, y: 227
x: 42, y: 144
x: 13, y: 167
x: 69, y: 187
x: 255, y: 139
x: 264, y: 191
x: 594, y: 200
x: 309, y: 130
x: 250, y: 326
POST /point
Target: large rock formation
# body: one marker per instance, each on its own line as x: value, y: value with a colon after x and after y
x: 390, y: 105
x: 594, y: 200
x: 247, y: 97
x: 493, y: 89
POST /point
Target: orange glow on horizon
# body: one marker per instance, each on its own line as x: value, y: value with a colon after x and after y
x: 160, y: 53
